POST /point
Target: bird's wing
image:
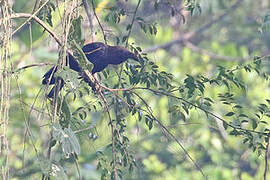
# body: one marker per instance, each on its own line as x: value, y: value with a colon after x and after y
x: 95, y: 52
x: 48, y: 77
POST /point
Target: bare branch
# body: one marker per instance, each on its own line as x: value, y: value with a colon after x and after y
x: 32, y: 65
x: 29, y: 19
x: 102, y: 30
x: 112, y: 133
x: 132, y: 22
x: 25, y: 15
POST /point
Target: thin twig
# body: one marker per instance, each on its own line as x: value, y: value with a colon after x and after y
x: 36, y: 5
x: 113, y: 90
x: 129, y: 32
x: 196, y: 106
x: 182, y: 99
x: 112, y: 132
x: 170, y: 134
x: 102, y: 30
x: 26, y: 15
x: 26, y: 121
x: 77, y: 167
x: 32, y: 65
x: 29, y: 19
x: 85, y: 129
x: 132, y: 22
x: 31, y: 107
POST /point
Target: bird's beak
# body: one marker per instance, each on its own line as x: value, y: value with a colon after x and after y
x: 137, y: 58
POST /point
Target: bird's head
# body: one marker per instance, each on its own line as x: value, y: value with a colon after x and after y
x: 118, y: 54
x: 130, y: 55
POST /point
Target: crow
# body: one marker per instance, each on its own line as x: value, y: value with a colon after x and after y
x: 99, y: 54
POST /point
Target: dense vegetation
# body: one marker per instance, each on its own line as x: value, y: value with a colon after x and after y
x: 196, y: 107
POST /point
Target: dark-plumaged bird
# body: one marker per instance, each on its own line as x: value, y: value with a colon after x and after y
x: 99, y: 54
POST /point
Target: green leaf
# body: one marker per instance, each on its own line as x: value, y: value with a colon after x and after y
x: 52, y: 143
x: 139, y: 19
x: 124, y: 38
x: 237, y: 106
x: 245, y: 140
x: 230, y: 114
x: 244, y: 121
x: 258, y: 116
x: 243, y: 115
x: 67, y: 139
x: 209, y: 99
x: 234, y: 132
x: 70, y: 143
x: 128, y: 27
x: 254, y: 123
x: 225, y: 125
x: 140, y: 115
x: 149, y: 121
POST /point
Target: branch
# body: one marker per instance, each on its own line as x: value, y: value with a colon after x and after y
x: 199, y: 31
x: 132, y: 22
x: 113, y: 90
x: 25, y: 15
x: 112, y: 131
x: 85, y: 129
x: 30, y: 17
x: 32, y: 65
x: 102, y: 30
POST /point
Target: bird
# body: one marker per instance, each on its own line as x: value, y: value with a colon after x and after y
x: 99, y: 54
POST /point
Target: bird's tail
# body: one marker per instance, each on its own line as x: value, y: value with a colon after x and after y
x: 49, y: 77
x: 55, y: 88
